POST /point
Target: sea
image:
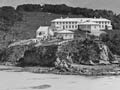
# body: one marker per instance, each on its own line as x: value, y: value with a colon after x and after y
x: 11, y: 80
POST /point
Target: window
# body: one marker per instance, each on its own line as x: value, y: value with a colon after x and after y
x: 102, y: 26
x: 40, y: 33
x: 76, y: 26
x: 66, y: 26
x: 102, y: 22
x: 105, y: 22
x: 99, y: 22
x: 63, y: 27
x: 75, y: 22
x: 70, y: 26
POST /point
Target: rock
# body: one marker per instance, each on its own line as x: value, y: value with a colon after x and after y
x: 104, y: 62
x: 62, y: 64
x: 26, y: 53
x: 106, y: 57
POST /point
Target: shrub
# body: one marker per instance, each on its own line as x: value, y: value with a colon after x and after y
x: 80, y: 51
x: 43, y: 56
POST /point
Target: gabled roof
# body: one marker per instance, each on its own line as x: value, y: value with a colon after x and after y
x: 69, y: 19
x: 88, y: 23
x: 43, y: 28
x: 79, y: 19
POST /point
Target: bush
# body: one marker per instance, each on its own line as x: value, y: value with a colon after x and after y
x: 80, y: 51
x: 43, y: 56
x: 112, y: 42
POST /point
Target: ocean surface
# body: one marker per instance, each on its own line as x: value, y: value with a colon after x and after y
x: 10, y: 80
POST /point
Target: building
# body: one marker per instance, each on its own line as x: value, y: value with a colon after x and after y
x: 44, y: 32
x: 72, y: 23
x: 89, y: 26
x: 65, y: 34
x: 63, y: 27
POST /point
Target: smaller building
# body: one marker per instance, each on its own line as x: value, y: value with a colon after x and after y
x: 44, y: 32
x: 91, y: 27
x: 65, y: 34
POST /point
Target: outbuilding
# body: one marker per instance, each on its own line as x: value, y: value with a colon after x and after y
x: 44, y: 32
x: 65, y: 34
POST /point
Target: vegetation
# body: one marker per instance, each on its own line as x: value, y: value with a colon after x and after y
x: 28, y: 55
x: 81, y: 52
x: 43, y: 56
x: 66, y: 10
x: 22, y: 23
x: 112, y: 41
x: 8, y: 16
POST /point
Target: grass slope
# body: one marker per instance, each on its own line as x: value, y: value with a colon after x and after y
x: 31, y: 22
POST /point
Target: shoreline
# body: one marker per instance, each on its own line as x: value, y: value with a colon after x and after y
x: 52, y: 70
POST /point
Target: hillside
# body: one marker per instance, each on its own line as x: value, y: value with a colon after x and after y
x: 31, y: 22
x: 22, y: 22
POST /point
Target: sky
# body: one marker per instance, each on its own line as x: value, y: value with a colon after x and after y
x: 113, y: 5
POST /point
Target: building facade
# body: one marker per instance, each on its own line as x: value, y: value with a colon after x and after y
x: 89, y: 26
x: 65, y: 35
x: 43, y: 32
x: 72, y: 23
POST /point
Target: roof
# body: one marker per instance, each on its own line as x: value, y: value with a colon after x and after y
x: 65, y: 31
x: 79, y: 19
x: 88, y: 23
x: 99, y: 19
x: 43, y: 28
x: 69, y: 19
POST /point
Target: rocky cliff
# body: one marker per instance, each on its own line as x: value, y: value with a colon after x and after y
x: 28, y: 52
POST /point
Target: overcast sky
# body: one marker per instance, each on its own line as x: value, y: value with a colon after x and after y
x: 95, y: 4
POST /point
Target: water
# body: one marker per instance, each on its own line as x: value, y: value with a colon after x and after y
x: 30, y: 81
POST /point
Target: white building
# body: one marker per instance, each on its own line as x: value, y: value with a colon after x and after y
x: 92, y: 27
x: 89, y: 26
x: 72, y: 23
x: 65, y: 34
x: 44, y: 32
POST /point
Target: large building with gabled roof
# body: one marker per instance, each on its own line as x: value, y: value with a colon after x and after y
x: 73, y: 23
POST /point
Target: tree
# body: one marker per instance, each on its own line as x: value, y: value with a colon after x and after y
x: 81, y: 51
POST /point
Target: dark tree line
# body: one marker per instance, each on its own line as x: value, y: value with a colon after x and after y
x: 29, y: 7
x: 8, y: 16
x: 112, y: 41
x: 66, y: 10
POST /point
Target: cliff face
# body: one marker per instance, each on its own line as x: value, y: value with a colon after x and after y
x: 85, y: 52
x: 79, y: 52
